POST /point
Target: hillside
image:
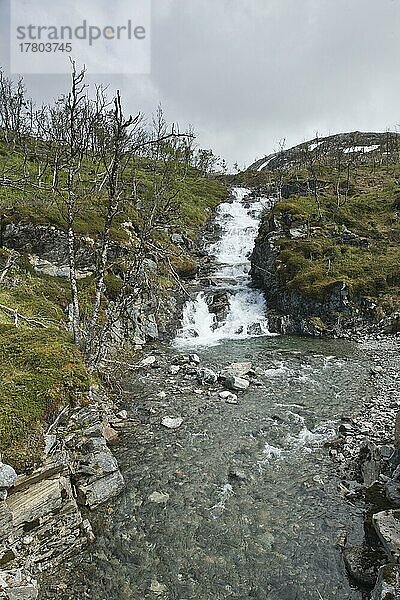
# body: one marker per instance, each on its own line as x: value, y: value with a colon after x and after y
x: 41, y: 368
x: 328, y: 253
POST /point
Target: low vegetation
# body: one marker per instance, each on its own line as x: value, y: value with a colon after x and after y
x: 41, y: 369
x: 354, y: 238
x: 83, y: 167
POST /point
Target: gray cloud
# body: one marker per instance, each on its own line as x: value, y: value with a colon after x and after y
x: 247, y: 73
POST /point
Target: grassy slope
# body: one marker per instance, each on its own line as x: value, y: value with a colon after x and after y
x: 371, y: 211
x: 40, y: 369
x: 196, y: 197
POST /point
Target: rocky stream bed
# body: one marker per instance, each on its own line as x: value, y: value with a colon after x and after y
x: 233, y: 493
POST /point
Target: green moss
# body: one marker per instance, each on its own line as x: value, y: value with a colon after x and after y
x: 370, y: 265
x: 114, y: 286
x: 185, y: 266
x: 300, y: 208
x: 40, y: 372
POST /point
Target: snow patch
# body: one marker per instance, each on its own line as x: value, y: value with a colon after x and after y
x: 363, y: 149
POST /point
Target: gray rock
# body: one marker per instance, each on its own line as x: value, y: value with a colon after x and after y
x: 150, y: 266
x: 236, y: 383
x: 148, y: 361
x: 387, y: 526
x: 194, y: 358
x: 174, y: 369
x: 388, y: 584
x: 207, y: 376
x: 6, y: 523
x: 228, y: 397
x: 360, y: 561
x: 45, y: 267
x: 158, y: 588
x: 237, y: 369
x: 370, y: 463
x: 50, y: 442
x: 254, y: 329
x: 172, y: 422
x: 7, y: 476
x: 100, y: 490
x: 392, y: 488
x: 159, y: 497
x: 376, y: 370
x: 237, y: 474
x: 176, y: 238
x: 218, y: 304
x: 26, y: 592
x: 110, y: 434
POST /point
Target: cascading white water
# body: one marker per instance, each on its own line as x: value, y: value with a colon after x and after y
x: 239, y: 221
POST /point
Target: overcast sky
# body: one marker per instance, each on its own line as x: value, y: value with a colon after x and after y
x: 247, y: 73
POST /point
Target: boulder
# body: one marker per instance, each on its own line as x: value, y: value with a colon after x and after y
x: 25, y: 592
x: 387, y: 526
x: 388, y: 584
x: 236, y: 383
x: 206, y: 376
x: 194, y: 358
x: 218, y: 304
x: 95, y: 470
x: 361, y: 564
x: 100, y: 490
x: 370, y: 462
x: 392, y: 488
x: 7, y: 476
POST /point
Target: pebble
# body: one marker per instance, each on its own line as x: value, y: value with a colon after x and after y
x: 148, y: 361
x: 172, y: 422
x: 159, y: 497
x: 228, y: 397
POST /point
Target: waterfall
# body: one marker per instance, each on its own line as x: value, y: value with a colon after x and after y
x: 246, y: 310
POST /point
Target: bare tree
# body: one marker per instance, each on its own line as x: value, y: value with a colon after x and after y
x: 115, y: 155
x: 69, y: 133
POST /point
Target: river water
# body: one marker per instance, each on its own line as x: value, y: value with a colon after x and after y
x: 249, y: 503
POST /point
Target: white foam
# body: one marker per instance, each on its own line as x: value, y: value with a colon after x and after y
x: 271, y: 452
x: 224, y: 494
x: 277, y: 371
x: 307, y: 440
